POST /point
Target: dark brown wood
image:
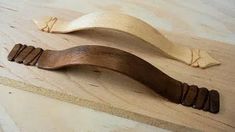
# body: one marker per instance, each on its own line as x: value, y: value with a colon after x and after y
x: 19, y: 51
x: 23, y: 54
x: 190, y: 96
x: 206, y: 106
x: 214, y: 101
x: 185, y: 91
x: 35, y: 53
x: 35, y: 60
x: 13, y: 52
x: 201, y: 98
x: 125, y: 63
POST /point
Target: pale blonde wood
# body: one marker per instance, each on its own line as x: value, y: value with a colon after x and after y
x: 130, y: 25
x: 112, y: 92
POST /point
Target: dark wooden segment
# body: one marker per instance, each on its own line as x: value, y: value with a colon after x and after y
x: 116, y: 60
x: 13, y: 52
x: 201, y: 98
x: 20, y: 50
x: 174, y: 93
x: 184, y: 91
x: 35, y: 60
x: 32, y: 56
x: 20, y: 58
x: 207, y: 104
x: 190, y: 96
x: 214, y: 101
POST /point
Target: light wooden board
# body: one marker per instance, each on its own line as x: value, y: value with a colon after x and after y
x: 111, y: 92
x: 38, y: 113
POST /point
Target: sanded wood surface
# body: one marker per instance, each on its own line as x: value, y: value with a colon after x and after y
x: 23, y: 111
x: 109, y: 91
x: 130, y: 25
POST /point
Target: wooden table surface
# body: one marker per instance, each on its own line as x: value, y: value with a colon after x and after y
x: 205, y: 24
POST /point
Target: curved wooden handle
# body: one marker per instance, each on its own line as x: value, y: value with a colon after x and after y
x: 123, y: 62
x: 133, y: 26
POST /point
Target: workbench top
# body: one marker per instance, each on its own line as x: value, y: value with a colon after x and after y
x: 207, y: 25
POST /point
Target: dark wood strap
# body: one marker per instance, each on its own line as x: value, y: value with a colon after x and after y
x: 123, y: 62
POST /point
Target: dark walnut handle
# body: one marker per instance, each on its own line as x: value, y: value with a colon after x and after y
x: 123, y: 62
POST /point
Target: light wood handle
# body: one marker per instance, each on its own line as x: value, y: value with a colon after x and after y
x: 133, y: 26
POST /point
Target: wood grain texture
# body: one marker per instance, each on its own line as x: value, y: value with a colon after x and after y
x: 130, y: 25
x: 126, y: 97
x: 122, y: 62
x: 51, y: 115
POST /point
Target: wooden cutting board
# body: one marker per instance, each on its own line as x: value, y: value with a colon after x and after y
x: 112, y: 92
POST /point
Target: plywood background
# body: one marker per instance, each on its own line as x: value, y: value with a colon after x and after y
x: 109, y: 91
